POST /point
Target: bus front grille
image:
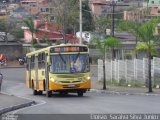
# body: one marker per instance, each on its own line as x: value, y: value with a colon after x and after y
x: 70, y: 81
x: 71, y: 86
x: 70, y: 76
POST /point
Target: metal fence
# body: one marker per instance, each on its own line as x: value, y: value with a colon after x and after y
x: 130, y: 71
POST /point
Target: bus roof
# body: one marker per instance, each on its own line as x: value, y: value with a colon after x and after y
x: 48, y: 48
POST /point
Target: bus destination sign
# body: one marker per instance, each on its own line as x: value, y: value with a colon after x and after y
x: 69, y: 49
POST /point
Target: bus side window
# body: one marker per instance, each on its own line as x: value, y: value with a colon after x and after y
x: 43, y: 60
x: 32, y: 62
x: 27, y: 63
x: 39, y: 61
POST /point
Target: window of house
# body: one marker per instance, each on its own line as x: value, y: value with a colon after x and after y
x: 47, y: 9
x: 33, y: 5
x: 43, y: 10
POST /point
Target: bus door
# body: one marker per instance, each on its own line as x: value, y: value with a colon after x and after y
x: 29, y: 70
x: 46, y: 73
x: 36, y: 72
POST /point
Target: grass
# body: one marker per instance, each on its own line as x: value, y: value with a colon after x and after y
x: 156, y: 82
x: 132, y: 83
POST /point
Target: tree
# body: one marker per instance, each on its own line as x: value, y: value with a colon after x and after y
x: 29, y: 22
x: 112, y: 43
x: 103, y: 46
x: 146, y: 35
x: 131, y: 27
x: 102, y: 24
x: 143, y: 47
x: 67, y: 15
x: 18, y: 33
x: 88, y: 24
x: 5, y: 29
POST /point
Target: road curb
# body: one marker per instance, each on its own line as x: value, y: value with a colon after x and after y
x: 11, y: 67
x: 12, y: 108
x: 122, y: 93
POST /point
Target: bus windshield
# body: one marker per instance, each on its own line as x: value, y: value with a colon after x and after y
x: 70, y: 63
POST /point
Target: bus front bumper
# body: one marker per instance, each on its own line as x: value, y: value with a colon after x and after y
x: 57, y: 86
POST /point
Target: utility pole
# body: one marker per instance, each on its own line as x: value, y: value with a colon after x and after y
x: 80, y: 26
x: 114, y: 4
x: 64, y: 24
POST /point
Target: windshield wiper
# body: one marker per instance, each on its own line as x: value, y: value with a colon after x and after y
x: 62, y: 58
x: 76, y: 57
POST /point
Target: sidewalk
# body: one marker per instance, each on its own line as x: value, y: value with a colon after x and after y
x: 97, y: 87
x: 9, y: 103
x: 12, y: 64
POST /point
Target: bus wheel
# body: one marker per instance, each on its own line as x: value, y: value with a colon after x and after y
x: 35, y: 92
x: 48, y: 93
x: 40, y: 92
x: 63, y: 93
x: 80, y: 93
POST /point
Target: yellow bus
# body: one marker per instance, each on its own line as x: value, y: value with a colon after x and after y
x: 62, y: 68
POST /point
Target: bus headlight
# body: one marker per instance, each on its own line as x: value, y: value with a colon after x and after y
x: 56, y: 81
x: 52, y: 79
x: 88, y: 78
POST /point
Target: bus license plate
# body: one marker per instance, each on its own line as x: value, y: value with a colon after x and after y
x: 71, y: 85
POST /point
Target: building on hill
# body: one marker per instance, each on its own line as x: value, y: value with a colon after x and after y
x: 104, y: 7
x: 35, y: 7
x: 48, y: 32
x: 4, y: 13
x: 153, y: 5
x: 136, y: 14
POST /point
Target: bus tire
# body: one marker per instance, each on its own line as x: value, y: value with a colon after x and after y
x: 48, y: 93
x: 40, y: 92
x: 63, y: 93
x: 44, y: 85
x: 80, y: 93
x: 35, y: 92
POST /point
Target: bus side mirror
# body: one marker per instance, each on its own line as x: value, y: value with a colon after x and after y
x: 90, y: 60
x: 1, y: 77
x: 49, y: 67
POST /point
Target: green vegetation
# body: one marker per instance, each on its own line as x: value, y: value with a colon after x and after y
x: 109, y: 43
x: 18, y: 33
x: 6, y: 28
x: 67, y: 15
x: 145, y: 34
x: 124, y: 83
x: 29, y: 23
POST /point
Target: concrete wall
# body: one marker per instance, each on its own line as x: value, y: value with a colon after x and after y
x: 12, y: 51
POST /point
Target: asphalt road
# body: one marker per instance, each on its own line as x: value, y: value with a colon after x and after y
x: 91, y: 103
